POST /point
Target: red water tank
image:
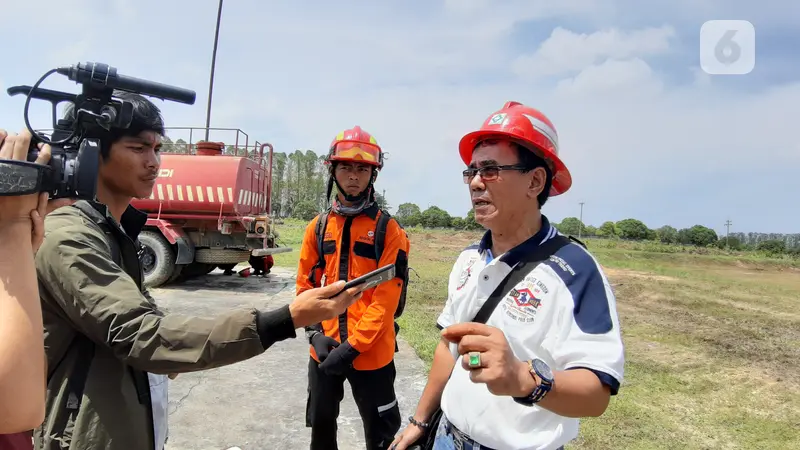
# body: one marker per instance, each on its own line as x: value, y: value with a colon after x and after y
x: 207, y: 183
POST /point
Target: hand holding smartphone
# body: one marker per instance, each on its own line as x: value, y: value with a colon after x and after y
x: 370, y: 280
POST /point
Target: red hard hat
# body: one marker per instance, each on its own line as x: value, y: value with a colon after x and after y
x: 356, y: 145
x: 525, y: 126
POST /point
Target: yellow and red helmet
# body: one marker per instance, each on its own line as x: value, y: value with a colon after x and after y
x: 527, y: 127
x: 356, y: 145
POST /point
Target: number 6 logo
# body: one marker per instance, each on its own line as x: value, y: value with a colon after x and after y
x: 727, y: 47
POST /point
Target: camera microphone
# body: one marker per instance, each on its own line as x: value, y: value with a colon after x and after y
x: 99, y: 75
x: 76, y: 142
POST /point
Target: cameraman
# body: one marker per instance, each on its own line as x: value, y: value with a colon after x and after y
x: 22, y: 360
x: 109, y: 347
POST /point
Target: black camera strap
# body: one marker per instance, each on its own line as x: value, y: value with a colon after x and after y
x: 526, y: 265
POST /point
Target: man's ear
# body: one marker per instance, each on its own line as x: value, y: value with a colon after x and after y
x: 538, y: 181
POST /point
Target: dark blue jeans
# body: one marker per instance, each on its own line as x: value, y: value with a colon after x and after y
x: 450, y: 438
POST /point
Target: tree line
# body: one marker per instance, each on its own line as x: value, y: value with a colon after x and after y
x: 299, y: 184
x: 698, y: 235
x: 410, y: 214
x: 299, y: 180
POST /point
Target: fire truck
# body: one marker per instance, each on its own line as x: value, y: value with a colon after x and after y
x: 210, y: 208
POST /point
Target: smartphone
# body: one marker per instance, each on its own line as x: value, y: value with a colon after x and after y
x: 371, y: 279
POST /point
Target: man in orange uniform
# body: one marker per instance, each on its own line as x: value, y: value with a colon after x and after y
x: 359, y: 345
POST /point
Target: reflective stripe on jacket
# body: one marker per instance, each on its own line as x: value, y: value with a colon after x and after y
x: 368, y: 325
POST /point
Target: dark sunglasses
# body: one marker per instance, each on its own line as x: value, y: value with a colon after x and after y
x: 490, y: 173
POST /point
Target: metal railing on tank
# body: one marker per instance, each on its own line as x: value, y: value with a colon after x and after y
x: 182, y: 140
x: 241, y: 147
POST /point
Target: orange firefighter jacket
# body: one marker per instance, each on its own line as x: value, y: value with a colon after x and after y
x: 349, y: 251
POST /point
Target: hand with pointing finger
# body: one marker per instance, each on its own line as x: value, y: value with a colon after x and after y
x: 497, y: 366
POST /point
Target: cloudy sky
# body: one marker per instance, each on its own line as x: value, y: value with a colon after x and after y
x: 646, y: 133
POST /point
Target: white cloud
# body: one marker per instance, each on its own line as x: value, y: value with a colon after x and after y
x: 419, y: 79
x: 565, y: 51
x: 628, y: 78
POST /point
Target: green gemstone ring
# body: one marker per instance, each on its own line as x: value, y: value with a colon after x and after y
x: 474, y: 360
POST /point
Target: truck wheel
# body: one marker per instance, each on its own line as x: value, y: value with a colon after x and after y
x: 158, y: 260
x: 177, y: 272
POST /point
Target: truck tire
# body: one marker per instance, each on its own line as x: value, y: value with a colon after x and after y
x: 177, y: 272
x: 158, y: 260
x: 218, y: 256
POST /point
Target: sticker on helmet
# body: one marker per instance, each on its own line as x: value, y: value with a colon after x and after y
x: 497, y: 119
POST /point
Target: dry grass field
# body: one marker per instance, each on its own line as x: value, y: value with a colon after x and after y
x: 712, y: 342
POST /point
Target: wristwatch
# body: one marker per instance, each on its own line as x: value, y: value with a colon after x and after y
x: 542, y: 371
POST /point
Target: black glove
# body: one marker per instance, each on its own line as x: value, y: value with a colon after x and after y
x: 339, y: 360
x: 322, y: 345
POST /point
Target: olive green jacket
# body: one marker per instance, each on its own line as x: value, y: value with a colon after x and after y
x: 86, y: 294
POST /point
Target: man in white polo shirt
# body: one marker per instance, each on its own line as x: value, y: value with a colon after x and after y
x: 550, y: 351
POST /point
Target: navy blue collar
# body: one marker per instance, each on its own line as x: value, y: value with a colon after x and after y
x: 513, y: 256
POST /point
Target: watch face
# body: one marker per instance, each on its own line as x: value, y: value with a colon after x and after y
x: 541, y: 368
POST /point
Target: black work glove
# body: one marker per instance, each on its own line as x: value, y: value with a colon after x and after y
x: 322, y: 345
x: 339, y: 360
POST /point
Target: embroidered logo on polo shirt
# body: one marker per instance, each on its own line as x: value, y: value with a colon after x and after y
x: 465, y: 274
x: 523, y: 302
x: 562, y: 264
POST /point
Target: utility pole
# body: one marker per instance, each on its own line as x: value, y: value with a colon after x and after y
x: 728, y: 224
x: 213, y: 65
x: 580, y: 225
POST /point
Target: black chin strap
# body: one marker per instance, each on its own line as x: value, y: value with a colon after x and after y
x: 361, y: 201
x: 352, y: 198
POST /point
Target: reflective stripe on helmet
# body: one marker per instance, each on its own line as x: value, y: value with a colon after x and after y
x: 356, y: 145
x: 545, y: 129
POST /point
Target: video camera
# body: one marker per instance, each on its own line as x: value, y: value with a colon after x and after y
x: 75, y: 142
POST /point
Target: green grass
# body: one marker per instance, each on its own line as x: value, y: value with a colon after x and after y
x: 712, y: 340
x: 290, y: 234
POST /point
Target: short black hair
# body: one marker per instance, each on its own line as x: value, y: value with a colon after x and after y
x: 146, y: 117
